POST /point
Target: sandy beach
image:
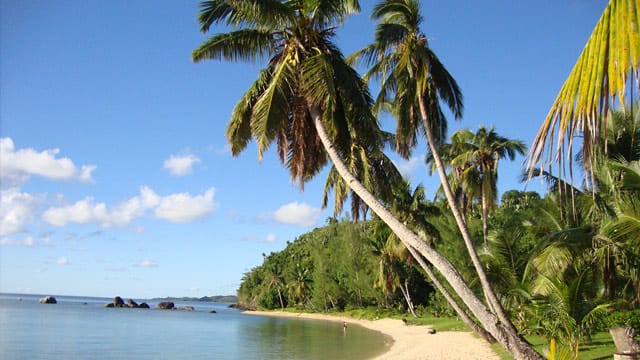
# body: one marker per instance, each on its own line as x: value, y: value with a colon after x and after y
x: 411, y: 342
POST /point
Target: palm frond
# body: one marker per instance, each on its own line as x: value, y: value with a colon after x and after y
x: 258, y: 14
x: 599, y: 77
x: 242, y: 45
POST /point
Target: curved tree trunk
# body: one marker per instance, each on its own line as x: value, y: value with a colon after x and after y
x: 490, y: 295
x: 454, y: 304
x: 507, y: 337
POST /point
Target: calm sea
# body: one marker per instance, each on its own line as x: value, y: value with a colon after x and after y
x: 81, y: 328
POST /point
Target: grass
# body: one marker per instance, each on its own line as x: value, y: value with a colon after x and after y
x: 600, y: 347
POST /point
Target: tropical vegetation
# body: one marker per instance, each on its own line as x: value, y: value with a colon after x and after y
x: 530, y: 265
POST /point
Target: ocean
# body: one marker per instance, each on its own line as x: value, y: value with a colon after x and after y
x: 82, y: 328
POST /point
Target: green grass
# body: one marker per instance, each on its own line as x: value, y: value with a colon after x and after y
x: 600, y: 347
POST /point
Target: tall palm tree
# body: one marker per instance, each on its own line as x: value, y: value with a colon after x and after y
x: 414, y: 82
x: 478, y: 159
x: 609, y: 62
x: 314, y: 105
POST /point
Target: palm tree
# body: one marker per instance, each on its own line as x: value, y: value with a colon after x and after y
x: 314, y: 105
x: 608, y: 63
x: 414, y: 81
x: 478, y: 158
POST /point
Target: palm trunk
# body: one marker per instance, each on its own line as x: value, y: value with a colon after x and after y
x: 510, y: 340
x: 454, y: 304
x: 404, y: 289
x: 490, y: 295
x: 280, y: 297
x: 485, y: 216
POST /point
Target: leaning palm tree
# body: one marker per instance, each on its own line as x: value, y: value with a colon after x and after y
x: 314, y: 105
x: 414, y: 82
x: 609, y: 62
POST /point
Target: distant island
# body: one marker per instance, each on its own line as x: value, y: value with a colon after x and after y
x: 216, y: 298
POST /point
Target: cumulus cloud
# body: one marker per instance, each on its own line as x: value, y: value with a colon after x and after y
x: 17, y: 209
x: 148, y: 264
x: 18, y: 165
x: 180, y: 165
x: 181, y: 207
x: 63, y: 261
x: 295, y: 213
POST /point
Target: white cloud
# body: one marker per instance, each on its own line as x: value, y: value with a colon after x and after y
x: 295, y: 213
x: 180, y: 165
x: 63, y: 261
x: 148, y: 264
x: 180, y: 207
x: 407, y: 167
x: 17, y: 166
x: 271, y: 238
x: 17, y: 209
x: 183, y: 207
x: 28, y: 242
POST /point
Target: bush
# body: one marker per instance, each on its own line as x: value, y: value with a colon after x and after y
x: 621, y: 319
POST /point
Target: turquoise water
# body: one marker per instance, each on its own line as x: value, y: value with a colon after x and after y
x: 81, y: 328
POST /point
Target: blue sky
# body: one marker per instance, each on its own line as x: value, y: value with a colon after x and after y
x: 115, y: 174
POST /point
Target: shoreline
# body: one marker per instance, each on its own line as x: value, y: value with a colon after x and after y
x: 409, y: 342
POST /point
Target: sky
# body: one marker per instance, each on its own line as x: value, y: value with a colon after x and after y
x: 115, y: 175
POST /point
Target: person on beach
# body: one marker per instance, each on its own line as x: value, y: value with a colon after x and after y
x: 344, y: 326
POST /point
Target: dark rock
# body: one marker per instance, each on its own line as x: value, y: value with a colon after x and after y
x: 166, y: 305
x: 132, y: 304
x: 48, y: 300
x: 144, y: 305
x: 431, y: 331
x: 118, y: 302
x: 109, y: 305
x: 213, y: 312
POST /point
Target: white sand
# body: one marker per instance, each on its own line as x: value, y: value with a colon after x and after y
x: 411, y: 342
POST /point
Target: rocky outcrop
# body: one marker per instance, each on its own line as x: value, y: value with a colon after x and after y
x: 48, y: 300
x: 119, y: 303
x: 166, y: 305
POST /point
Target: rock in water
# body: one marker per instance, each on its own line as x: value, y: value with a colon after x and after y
x: 118, y: 302
x: 144, y: 305
x: 166, y: 305
x: 48, y: 300
x: 132, y: 304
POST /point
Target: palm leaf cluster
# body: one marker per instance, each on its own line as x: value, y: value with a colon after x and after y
x: 408, y: 71
x: 599, y: 78
x: 305, y: 70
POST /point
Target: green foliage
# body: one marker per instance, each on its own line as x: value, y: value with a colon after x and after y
x: 332, y: 268
x: 622, y: 319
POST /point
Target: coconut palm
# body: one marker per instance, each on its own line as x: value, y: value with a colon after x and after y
x: 478, y: 158
x: 413, y: 82
x: 314, y: 105
x: 609, y: 62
